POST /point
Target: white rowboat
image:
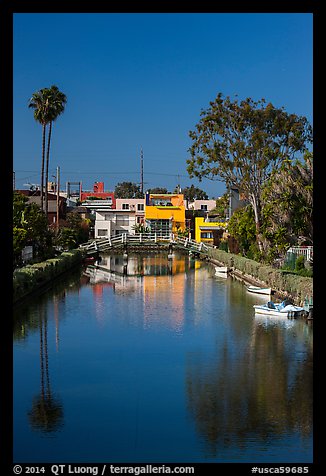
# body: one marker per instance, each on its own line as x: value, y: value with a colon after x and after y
x: 258, y: 290
x: 221, y: 269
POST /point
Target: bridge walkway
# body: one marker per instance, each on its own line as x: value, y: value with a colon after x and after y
x: 126, y: 240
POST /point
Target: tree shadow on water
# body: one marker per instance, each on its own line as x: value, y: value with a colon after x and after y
x: 46, y: 414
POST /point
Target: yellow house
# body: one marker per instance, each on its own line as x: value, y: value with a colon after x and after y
x: 204, y: 230
x: 165, y: 213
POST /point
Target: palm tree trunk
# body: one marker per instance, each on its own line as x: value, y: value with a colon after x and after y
x: 47, y: 170
x: 42, y: 167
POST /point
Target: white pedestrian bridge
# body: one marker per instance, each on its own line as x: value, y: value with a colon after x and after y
x: 126, y: 240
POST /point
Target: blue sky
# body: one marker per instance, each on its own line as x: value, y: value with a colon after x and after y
x: 140, y: 80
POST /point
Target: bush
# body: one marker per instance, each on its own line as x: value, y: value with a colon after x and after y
x: 30, y: 277
x: 299, y: 263
x: 285, y: 282
x: 223, y: 246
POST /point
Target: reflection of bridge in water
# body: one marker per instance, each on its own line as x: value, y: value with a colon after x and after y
x: 117, y: 269
x: 155, y: 241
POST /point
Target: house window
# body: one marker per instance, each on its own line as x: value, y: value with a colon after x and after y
x: 161, y: 227
x: 140, y: 207
x: 122, y: 220
x: 102, y: 232
x: 125, y: 206
x: 203, y: 207
x: 207, y: 234
x: 107, y: 216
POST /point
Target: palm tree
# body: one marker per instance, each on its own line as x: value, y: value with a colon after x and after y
x: 57, y: 102
x: 39, y: 102
x: 48, y: 104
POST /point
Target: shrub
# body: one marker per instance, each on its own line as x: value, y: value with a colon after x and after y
x: 30, y: 277
x: 285, y: 282
x: 299, y: 263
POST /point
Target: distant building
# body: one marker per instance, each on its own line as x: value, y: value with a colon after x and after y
x: 122, y: 219
x: 165, y: 213
x: 34, y: 196
x: 99, y: 193
x: 136, y: 205
x: 208, y: 231
x: 203, y: 205
x: 237, y: 200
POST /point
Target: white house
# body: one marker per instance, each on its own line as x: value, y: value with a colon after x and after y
x: 204, y: 205
x: 122, y: 219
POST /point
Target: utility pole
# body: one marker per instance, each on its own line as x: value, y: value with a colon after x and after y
x: 58, y: 192
x: 141, y: 171
x: 179, y: 186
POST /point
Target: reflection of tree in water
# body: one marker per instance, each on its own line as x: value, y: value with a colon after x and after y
x: 259, y: 395
x: 46, y: 414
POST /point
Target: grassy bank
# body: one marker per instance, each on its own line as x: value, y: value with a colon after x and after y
x: 284, y: 283
x: 33, y: 277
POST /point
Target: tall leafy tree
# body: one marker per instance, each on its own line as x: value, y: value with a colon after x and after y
x: 127, y: 190
x: 242, y: 228
x: 157, y: 190
x: 242, y: 142
x: 222, y: 206
x: 29, y: 227
x: 194, y: 193
x: 287, y: 201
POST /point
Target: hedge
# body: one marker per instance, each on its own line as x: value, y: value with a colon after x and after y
x: 286, y: 284
x: 32, y: 277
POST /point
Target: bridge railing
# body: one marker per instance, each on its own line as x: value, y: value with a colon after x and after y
x: 99, y: 244
x: 189, y: 243
x: 105, y: 242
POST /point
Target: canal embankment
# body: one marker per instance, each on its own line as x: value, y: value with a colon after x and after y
x: 284, y: 284
x: 36, y: 277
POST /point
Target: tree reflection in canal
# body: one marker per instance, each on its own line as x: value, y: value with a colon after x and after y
x: 46, y: 413
x: 259, y: 394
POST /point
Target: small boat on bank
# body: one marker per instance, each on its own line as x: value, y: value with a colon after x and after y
x: 258, y: 290
x: 282, y: 309
x: 221, y: 269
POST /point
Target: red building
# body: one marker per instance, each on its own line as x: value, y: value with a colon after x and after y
x: 98, y: 192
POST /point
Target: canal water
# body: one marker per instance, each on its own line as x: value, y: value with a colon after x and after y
x: 153, y: 360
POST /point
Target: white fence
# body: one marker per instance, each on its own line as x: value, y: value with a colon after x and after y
x: 306, y: 251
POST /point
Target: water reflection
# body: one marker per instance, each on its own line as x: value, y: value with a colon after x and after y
x: 46, y: 414
x: 144, y: 265
x: 165, y: 350
x: 146, y: 276
x: 256, y: 395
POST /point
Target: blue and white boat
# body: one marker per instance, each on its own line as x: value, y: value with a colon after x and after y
x: 282, y: 309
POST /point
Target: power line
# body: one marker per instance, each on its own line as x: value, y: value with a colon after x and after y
x: 108, y: 173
